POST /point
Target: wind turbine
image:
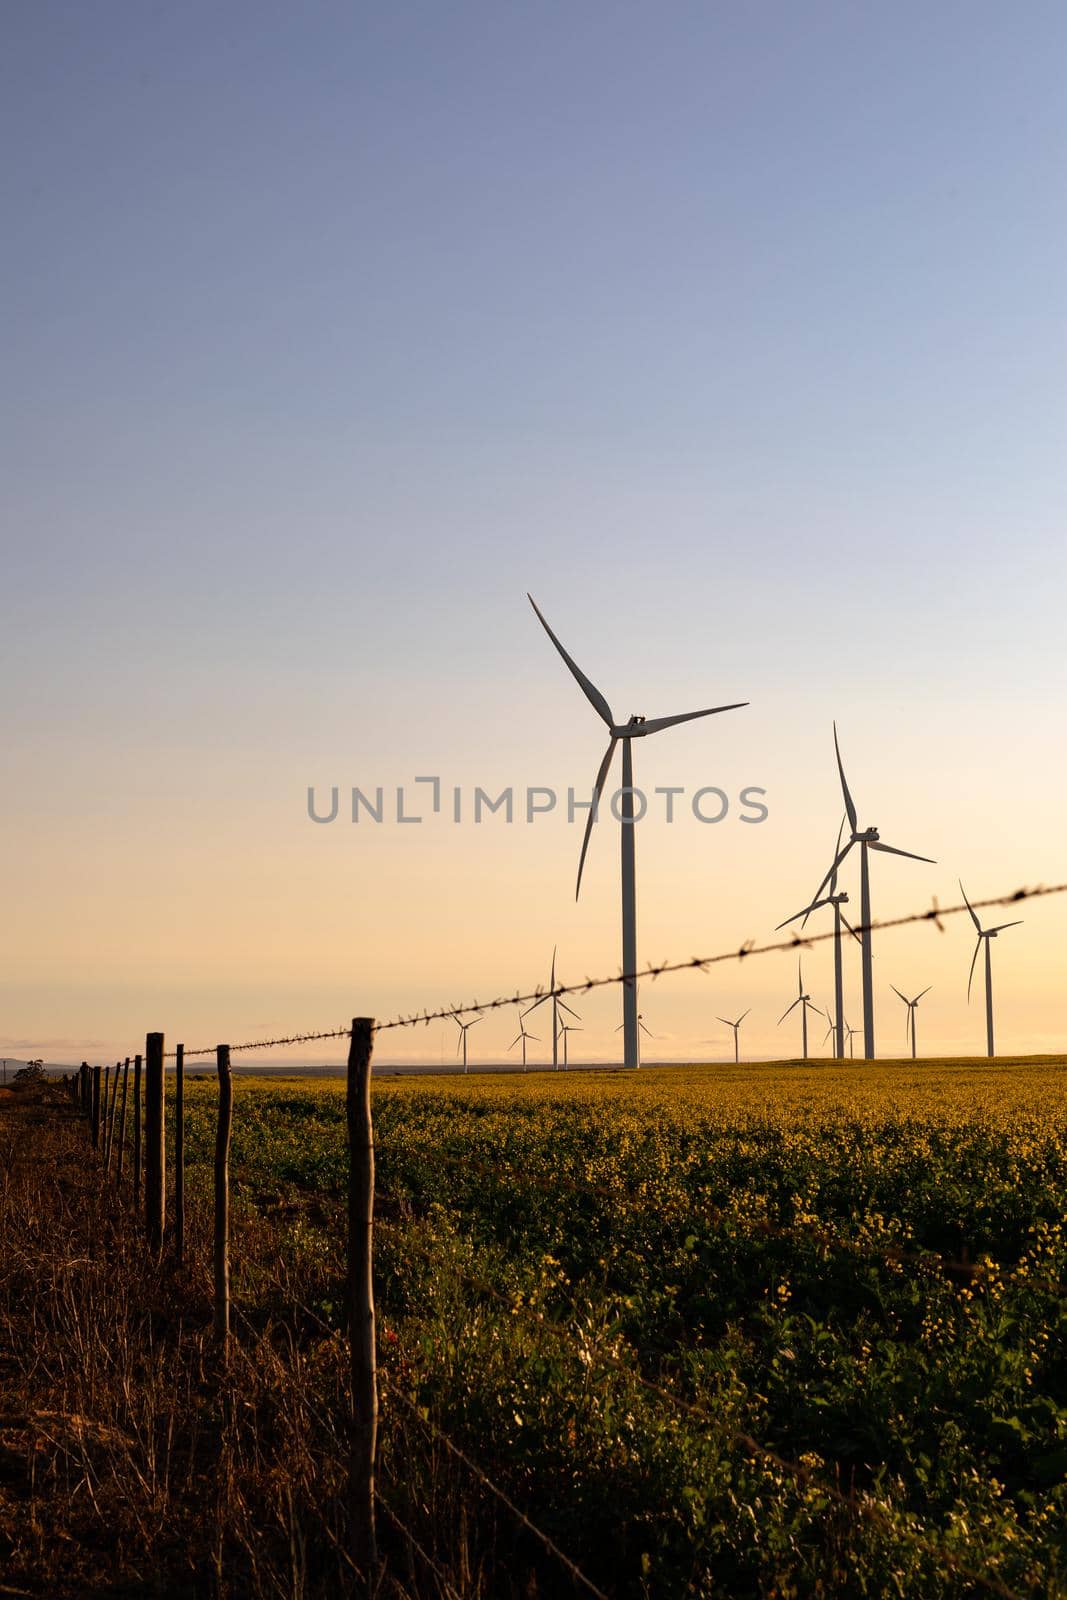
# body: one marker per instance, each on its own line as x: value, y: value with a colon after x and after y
x: 831, y: 1029
x: 736, y: 1026
x: 911, y: 1004
x: 643, y: 1029
x: 462, y: 1040
x: 851, y: 1035
x: 868, y: 839
x: 626, y: 732
x: 837, y: 901
x: 804, y: 1002
x: 523, y: 1035
x: 565, y: 1028
x: 986, y: 934
x: 558, y: 1005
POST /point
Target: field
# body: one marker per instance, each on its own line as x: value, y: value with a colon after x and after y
x: 793, y: 1330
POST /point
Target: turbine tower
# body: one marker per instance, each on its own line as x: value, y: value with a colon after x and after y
x: 626, y: 732
x: 987, y: 934
x: 804, y: 1002
x: 462, y: 1040
x: 832, y: 898
x: 565, y: 1028
x: 558, y: 1005
x: 868, y: 839
x: 911, y: 1004
x: 736, y: 1027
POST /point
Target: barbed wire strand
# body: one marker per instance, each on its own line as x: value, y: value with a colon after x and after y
x: 438, y: 1433
x: 796, y: 941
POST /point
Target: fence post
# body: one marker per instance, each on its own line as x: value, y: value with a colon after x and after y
x: 179, y: 1153
x: 96, y: 1108
x: 155, y: 1167
x: 105, y: 1086
x: 110, y: 1139
x: 136, y: 1130
x: 222, y: 1197
x: 122, y: 1117
x: 362, y: 1344
x: 83, y: 1086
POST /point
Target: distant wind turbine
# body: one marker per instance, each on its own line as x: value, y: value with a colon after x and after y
x: 462, y: 1040
x: 736, y: 1026
x: 643, y: 1029
x: 851, y: 1032
x: 837, y: 901
x: 523, y: 1035
x: 804, y: 1002
x: 911, y: 1004
x: 986, y: 934
x: 626, y: 732
x: 558, y: 1005
x: 868, y: 839
x: 565, y: 1028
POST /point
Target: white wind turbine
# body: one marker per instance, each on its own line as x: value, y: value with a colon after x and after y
x: 625, y: 732
x: 832, y: 898
x: 462, y: 1040
x: 911, y: 1004
x: 642, y: 1028
x: 736, y: 1026
x: 804, y: 1002
x: 987, y: 934
x: 868, y: 839
x: 558, y: 1005
x: 565, y: 1028
x: 523, y: 1035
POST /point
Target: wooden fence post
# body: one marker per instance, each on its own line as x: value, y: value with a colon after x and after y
x: 83, y: 1085
x: 222, y: 1197
x: 362, y: 1343
x: 110, y: 1139
x: 122, y: 1116
x: 136, y: 1130
x: 105, y: 1085
x: 155, y: 1169
x: 179, y: 1153
x: 96, y: 1108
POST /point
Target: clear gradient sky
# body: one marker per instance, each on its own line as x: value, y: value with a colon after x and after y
x: 736, y: 334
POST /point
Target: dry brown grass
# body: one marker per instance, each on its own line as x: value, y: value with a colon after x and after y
x: 134, y: 1460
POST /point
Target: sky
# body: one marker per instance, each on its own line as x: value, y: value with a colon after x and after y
x: 736, y: 336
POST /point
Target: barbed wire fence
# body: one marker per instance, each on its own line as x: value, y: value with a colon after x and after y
x: 97, y: 1097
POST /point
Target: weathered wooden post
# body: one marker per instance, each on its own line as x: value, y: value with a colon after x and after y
x: 105, y: 1085
x: 110, y: 1140
x: 83, y: 1086
x: 362, y: 1343
x: 122, y: 1116
x: 222, y: 1197
x: 155, y: 1167
x: 179, y: 1153
x: 96, y: 1108
x: 136, y: 1130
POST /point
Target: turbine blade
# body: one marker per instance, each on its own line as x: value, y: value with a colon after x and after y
x: 850, y: 928
x: 919, y: 996
x: 785, y: 1013
x: 849, y: 806
x: 841, y: 854
x: 651, y: 1035
x: 837, y: 853
x: 515, y: 1041
x: 563, y: 1006
x: 891, y: 850
x: 970, y: 908
x: 1001, y: 926
x: 601, y: 779
x: 524, y: 1014
x: 742, y: 1017
x: 656, y: 724
x: 726, y: 1021
x: 473, y: 1020
x: 898, y: 994
x: 974, y: 958
x: 552, y: 980
x: 828, y: 1032
x: 459, y: 1041
x: 815, y: 904
x: 589, y: 689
